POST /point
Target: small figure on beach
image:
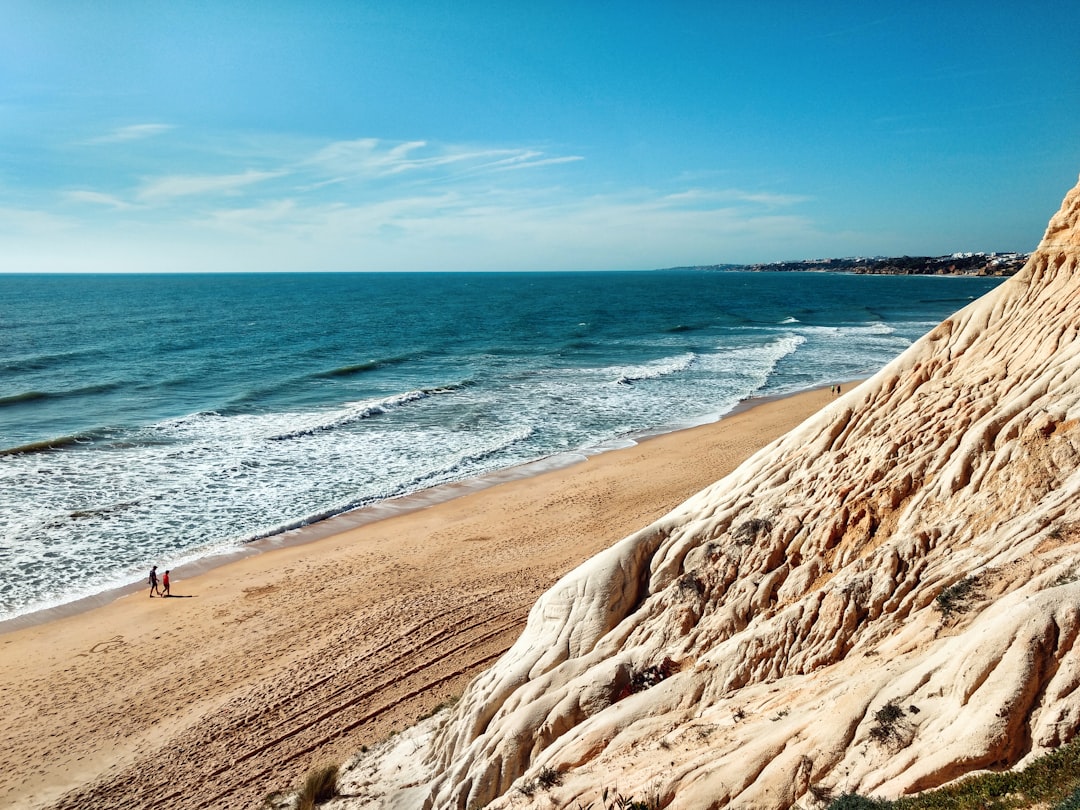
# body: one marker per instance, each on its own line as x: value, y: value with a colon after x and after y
x: 165, y: 585
x: 154, y: 583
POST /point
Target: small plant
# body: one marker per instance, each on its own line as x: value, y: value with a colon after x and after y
x: 642, y: 679
x: 821, y: 793
x: 319, y: 786
x: 1065, y: 577
x: 613, y: 800
x: 691, y: 583
x: 886, y: 719
x: 749, y: 531
x: 853, y: 801
x: 704, y: 732
x: 780, y: 715
x: 449, y: 703
x: 1051, y: 781
x: 545, y: 780
x: 956, y: 596
x: 548, y: 778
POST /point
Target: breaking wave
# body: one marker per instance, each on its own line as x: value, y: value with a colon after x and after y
x: 358, y: 411
x: 661, y: 368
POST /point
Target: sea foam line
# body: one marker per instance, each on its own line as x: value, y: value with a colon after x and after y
x: 358, y: 411
x: 661, y: 368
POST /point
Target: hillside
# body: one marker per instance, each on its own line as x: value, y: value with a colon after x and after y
x: 957, y: 264
x: 883, y: 600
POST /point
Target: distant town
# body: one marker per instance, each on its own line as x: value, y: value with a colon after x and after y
x: 957, y: 264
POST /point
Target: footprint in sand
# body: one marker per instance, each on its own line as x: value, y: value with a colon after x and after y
x: 260, y: 590
x: 112, y: 644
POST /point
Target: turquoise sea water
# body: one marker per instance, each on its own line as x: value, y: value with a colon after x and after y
x: 158, y: 419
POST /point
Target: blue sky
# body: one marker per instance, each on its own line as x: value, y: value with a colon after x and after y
x: 230, y: 136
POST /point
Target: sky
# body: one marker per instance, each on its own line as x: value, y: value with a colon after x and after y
x: 195, y: 136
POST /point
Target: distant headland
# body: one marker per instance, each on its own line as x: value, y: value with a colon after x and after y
x: 956, y: 264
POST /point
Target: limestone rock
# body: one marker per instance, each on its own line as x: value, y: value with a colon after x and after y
x: 883, y: 600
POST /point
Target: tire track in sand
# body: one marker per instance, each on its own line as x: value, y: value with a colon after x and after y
x: 272, y: 743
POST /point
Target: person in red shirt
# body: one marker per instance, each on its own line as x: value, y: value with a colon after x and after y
x: 165, y: 584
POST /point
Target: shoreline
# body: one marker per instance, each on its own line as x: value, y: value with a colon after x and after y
x: 304, y: 653
x: 381, y: 510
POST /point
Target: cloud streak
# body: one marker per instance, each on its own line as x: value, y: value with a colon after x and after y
x: 372, y: 157
x: 506, y: 228
x: 96, y: 198
x: 133, y: 132
x: 164, y: 189
x: 372, y: 204
x: 704, y: 196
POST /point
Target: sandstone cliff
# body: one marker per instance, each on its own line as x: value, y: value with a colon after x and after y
x: 883, y: 600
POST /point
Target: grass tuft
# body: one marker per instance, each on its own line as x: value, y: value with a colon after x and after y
x: 853, y: 801
x: 449, y: 703
x: 319, y: 786
x: 545, y: 780
x: 955, y: 598
x: 613, y: 800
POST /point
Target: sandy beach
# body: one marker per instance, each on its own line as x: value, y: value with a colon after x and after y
x: 268, y: 665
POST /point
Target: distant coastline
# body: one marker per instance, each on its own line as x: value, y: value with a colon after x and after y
x: 956, y: 264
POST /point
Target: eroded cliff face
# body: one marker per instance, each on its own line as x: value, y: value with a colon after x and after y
x: 883, y: 600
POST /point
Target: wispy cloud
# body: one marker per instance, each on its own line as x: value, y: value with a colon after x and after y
x: 33, y: 222
x: 531, y: 160
x: 708, y: 197
x: 372, y: 204
x: 372, y: 157
x: 255, y: 217
x: 173, y: 186
x: 133, y: 132
x: 509, y: 227
x: 96, y: 198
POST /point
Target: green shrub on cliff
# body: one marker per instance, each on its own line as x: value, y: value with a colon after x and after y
x: 1052, y: 780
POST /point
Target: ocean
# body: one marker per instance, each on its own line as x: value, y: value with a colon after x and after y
x: 161, y: 419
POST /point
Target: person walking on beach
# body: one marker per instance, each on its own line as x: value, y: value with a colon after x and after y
x: 153, y: 582
x: 165, y: 585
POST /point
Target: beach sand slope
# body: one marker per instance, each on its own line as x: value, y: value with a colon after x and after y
x: 305, y: 654
x: 884, y: 600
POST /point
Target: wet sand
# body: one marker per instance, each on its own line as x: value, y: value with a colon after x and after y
x: 259, y: 669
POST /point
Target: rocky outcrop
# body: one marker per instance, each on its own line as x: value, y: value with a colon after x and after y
x: 883, y: 600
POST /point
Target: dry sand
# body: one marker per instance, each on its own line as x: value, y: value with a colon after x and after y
x: 304, y: 654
